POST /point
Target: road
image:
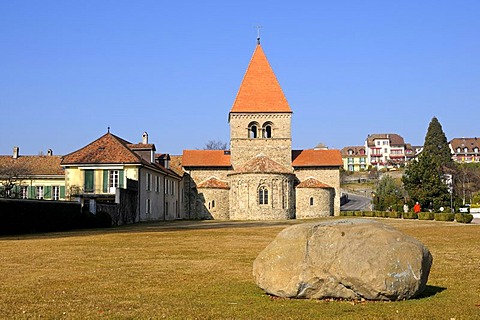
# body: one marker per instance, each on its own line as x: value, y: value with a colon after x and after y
x: 356, y: 203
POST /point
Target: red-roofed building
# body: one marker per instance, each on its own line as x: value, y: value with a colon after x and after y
x: 32, y: 177
x: 127, y: 180
x: 261, y: 177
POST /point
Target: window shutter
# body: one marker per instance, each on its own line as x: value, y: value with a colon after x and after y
x: 88, y: 181
x: 62, y: 192
x: 120, y: 178
x: 31, y: 192
x: 47, y: 194
x: 105, y: 181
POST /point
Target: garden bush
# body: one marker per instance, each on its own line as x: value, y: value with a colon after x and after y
x: 394, y: 214
x: 426, y: 216
x: 444, y: 216
x: 369, y: 213
x: 381, y: 214
x: 463, y: 217
x: 410, y: 215
x: 359, y: 214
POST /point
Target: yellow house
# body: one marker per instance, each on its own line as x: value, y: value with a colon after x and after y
x: 125, y: 179
x: 32, y: 177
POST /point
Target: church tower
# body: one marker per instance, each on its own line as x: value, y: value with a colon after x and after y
x: 260, y: 118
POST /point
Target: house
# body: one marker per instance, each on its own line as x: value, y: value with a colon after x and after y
x: 465, y: 149
x: 386, y: 150
x: 127, y: 180
x: 32, y: 177
x: 354, y: 158
x: 260, y: 177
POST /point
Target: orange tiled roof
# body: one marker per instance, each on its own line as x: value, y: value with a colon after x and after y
x: 106, y: 149
x: 176, y: 165
x: 213, y: 183
x: 316, y: 158
x: 260, y: 90
x: 206, y: 158
x: 35, y: 165
x: 313, y: 183
x: 262, y: 164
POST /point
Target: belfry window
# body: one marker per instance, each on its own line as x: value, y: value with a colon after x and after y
x: 262, y: 195
x: 253, y: 130
x: 311, y: 201
x: 267, y: 130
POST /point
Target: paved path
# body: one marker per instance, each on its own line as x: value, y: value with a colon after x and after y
x: 356, y: 203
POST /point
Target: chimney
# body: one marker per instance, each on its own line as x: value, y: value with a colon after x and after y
x: 16, y: 152
x: 145, y: 138
x: 49, y: 152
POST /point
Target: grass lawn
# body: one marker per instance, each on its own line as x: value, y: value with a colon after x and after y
x: 203, y: 270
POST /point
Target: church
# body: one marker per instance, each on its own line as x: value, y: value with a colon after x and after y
x: 261, y: 177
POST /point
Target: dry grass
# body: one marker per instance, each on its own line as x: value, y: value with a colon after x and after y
x: 203, y: 270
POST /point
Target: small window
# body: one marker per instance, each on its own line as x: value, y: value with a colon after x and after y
x: 56, y: 193
x: 267, y: 130
x: 24, y: 192
x: 149, y: 182
x: 350, y: 151
x: 213, y: 204
x: 475, y: 150
x: 311, y: 201
x: 465, y: 150
x: 263, y: 195
x: 148, y: 208
x: 459, y: 150
x: 253, y: 130
x: 40, y: 194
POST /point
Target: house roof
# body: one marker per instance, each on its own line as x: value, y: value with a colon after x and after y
x: 176, y: 165
x: 462, y: 143
x: 206, y: 158
x: 262, y: 164
x: 107, y: 149
x: 213, y: 183
x: 313, y: 183
x: 34, y: 165
x: 260, y: 90
x: 395, y: 139
x: 316, y: 158
x: 356, y: 151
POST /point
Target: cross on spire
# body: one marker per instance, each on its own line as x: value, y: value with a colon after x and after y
x: 258, y: 33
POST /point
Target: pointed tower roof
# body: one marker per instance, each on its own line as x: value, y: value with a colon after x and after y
x: 260, y: 90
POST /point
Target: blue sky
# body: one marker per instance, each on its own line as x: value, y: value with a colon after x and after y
x: 70, y: 69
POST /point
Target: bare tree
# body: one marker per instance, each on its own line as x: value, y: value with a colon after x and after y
x: 11, y: 176
x: 215, y: 145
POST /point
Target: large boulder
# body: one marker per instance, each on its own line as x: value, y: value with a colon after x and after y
x: 349, y: 259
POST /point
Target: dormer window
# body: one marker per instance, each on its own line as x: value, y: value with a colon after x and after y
x: 465, y: 150
x: 475, y: 150
x: 350, y: 151
x: 459, y: 150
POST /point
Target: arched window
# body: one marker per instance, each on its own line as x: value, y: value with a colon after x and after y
x: 267, y: 130
x: 253, y: 130
x: 262, y: 195
x: 311, y: 201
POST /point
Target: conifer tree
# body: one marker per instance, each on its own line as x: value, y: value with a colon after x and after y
x: 423, y: 179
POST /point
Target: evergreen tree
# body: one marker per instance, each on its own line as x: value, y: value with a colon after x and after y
x: 436, y: 144
x: 423, y: 179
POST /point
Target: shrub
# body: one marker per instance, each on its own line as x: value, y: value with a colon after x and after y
x: 359, y: 214
x: 369, y: 213
x: 444, y: 216
x: 381, y: 214
x: 463, y: 217
x: 410, y: 215
x: 394, y: 214
x: 426, y: 216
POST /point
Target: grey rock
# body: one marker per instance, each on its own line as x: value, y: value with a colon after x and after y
x: 349, y: 259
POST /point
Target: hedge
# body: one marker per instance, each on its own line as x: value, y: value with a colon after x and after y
x: 444, y: 216
x: 410, y: 215
x: 426, y: 216
x: 30, y: 216
x: 463, y: 217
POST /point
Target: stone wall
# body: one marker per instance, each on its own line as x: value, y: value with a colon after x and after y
x: 277, y: 148
x: 214, y: 203
x: 327, y: 175
x: 314, y: 202
x: 244, y: 196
